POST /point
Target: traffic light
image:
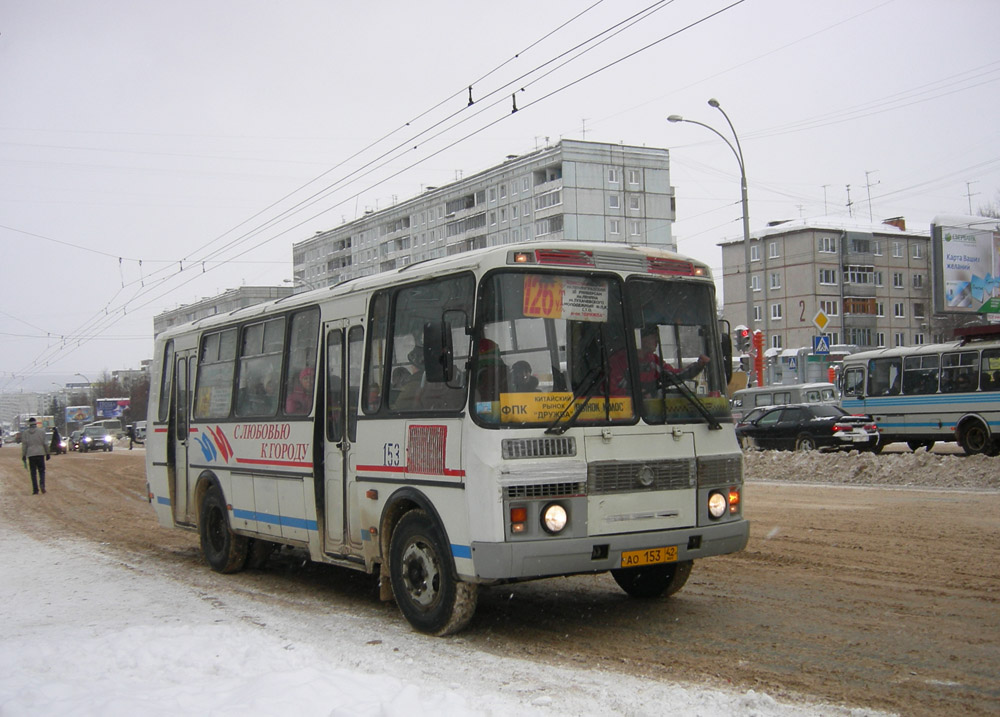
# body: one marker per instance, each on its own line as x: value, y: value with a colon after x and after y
x: 743, y: 339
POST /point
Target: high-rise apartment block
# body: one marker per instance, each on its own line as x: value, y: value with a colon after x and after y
x: 573, y: 190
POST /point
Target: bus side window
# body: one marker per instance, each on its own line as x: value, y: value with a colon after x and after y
x: 989, y: 380
x: 854, y: 382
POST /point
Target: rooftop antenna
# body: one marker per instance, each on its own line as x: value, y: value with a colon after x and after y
x: 869, y: 186
x: 969, y: 193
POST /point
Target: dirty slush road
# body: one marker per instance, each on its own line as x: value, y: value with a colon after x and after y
x: 884, y: 598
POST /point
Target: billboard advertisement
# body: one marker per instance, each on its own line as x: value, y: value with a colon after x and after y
x: 966, y: 254
x: 111, y: 407
x: 79, y: 414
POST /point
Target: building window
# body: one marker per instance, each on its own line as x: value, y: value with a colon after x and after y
x: 859, y: 337
x: 756, y: 312
x: 876, y: 247
x: 754, y: 252
x: 513, y: 212
x: 493, y: 194
x: 503, y: 215
x: 493, y: 219
x: 897, y: 280
x: 918, y: 251
x: 775, y: 280
x: 616, y: 226
x: 880, y: 309
x: 899, y: 339
x: 877, y: 276
x: 828, y: 245
x: 549, y: 225
x: 549, y: 199
x: 859, y: 274
x: 898, y: 311
x: 862, y: 306
x: 861, y: 246
x: 775, y: 341
x: 918, y: 310
x: 772, y: 250
x: 828, y: 307
x: 897, y: 252
x: 776, y: 312
x: 613, y: 175
x: 633, y: 202
x: 614, y: 201
x: 503, y: 191
x: 755, y: 283
x: 918, y: 339
x: 918, y: 280
x: 828, y: 276
x: 880, y: 339
x: 633, y: 227
x: 633, y: 176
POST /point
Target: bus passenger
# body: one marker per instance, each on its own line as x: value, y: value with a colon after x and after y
x: 300, y: 397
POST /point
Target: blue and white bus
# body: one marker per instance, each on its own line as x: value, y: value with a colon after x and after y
x: 474, y: 420
x: 936, y: 392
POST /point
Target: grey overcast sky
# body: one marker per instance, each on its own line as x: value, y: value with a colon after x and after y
x: 155, y: 153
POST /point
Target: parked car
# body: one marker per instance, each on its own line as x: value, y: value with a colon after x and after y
x: 74, y: 440
x: 807, y: 426
x: 96, y: 438
x: 140, y: 431
x: 747, y: 399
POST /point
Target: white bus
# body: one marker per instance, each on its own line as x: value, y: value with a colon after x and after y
x: 474, y: 420
x: 935, y: 392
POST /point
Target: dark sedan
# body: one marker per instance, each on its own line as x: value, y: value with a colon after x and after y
x: 805, y: 427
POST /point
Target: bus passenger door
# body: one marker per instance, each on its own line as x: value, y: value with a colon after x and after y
x: 343, y: 379
x: 180, y: 436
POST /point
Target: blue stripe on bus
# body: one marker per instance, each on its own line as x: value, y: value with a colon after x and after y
x: 284, y: 521
x: 461, y: 551
x: 162, y: 500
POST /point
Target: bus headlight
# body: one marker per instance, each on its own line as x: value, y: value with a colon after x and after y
x: 717, y: 504
x: 554, y: 518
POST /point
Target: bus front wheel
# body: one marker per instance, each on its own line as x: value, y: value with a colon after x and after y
x: 653, y: 581
x: 428, y: 595
x: 975, y: 438
x: 224, y: 551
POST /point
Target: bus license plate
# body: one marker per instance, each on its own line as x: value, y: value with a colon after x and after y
x: 650, y: 556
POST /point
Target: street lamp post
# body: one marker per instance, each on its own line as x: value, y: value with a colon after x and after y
x: 738, y: 153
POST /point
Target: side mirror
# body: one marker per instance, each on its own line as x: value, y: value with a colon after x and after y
x: 439, y: 355
x: 727, y: 349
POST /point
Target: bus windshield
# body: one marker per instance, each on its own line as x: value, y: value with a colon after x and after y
x: 560, y: 349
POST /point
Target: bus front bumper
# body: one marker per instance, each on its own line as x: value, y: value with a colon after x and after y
x: 567, y: 556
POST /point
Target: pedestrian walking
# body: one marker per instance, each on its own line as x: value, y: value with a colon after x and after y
x: 34, y: 453
x: 131, y: 435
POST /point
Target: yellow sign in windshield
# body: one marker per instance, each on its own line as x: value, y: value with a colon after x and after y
x: 545, y: 407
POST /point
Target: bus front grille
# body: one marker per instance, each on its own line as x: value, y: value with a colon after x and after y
x: 554, y: 447
x: 544, y: 490
x: 720, y: 471
x: 628, y: 476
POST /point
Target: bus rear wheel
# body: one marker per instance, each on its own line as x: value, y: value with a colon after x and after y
x: 429, y: 596
x: 224, y: 551
x: 652, y: 581
x: 916, y: 445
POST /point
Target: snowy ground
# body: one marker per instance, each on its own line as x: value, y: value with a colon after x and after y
x: 85, y: 633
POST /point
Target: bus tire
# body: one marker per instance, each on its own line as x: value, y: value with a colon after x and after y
x: 916, y: 445
x: 224, y: 551
x: 975, y: 438
x: 805, y: 442
x: 652, y: 581
x: 427, y: 593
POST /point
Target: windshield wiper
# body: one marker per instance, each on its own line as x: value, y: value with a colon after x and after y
x: 687, y: 393
x: 589, y: 384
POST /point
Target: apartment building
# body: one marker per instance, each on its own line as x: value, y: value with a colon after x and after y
x: 871, y: 281
x: 573, y: 190
x: 229, y: 300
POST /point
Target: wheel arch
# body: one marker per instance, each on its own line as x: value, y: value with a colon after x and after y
x: 401, y: 502
x: 968, y: 421
x: 206, y: 479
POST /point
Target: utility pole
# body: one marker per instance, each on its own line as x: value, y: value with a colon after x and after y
x: 850, y: 213
x: 826, y: 210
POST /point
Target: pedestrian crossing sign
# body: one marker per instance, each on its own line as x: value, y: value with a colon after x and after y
x: 821, y: 344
